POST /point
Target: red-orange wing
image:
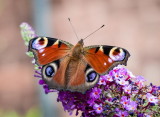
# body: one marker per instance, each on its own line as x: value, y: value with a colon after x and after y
x: 48, y: 49
x: 103, y: 58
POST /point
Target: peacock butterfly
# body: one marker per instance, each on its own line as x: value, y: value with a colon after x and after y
x: 75, y: 68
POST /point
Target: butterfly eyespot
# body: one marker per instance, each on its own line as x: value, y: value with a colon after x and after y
x: 39, y: 43
x: 117, y: 54
x: 49, y: 71
x: 91, y: 75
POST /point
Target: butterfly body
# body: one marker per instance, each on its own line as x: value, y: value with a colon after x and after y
x: 74, y: 68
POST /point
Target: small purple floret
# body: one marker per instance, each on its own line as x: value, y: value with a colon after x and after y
x: 98, y: 108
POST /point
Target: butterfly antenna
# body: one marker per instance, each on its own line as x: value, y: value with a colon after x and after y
x: 93, y: 32
x: 73, y: 28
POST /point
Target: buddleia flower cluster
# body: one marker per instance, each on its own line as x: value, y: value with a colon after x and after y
x: 117, y: 94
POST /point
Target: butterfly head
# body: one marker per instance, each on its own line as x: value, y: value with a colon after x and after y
x: 81, y: 42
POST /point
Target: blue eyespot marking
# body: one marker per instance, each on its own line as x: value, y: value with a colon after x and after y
x: 91, y: 76
x: 49, y: 71
x: 36, y: 45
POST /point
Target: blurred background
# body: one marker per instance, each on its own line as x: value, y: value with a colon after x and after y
x: 131, y: 24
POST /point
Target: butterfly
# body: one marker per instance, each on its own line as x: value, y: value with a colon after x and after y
x: 74, y: 68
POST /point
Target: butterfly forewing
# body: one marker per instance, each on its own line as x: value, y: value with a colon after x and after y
x: 103, y: 58
x: 47, y: 49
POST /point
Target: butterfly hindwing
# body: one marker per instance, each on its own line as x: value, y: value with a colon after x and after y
x: 54, y: 73
x: 47, y: 50
x: 103, y: 58
x: 82, y: 78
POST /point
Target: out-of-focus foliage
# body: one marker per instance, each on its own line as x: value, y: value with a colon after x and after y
x: 33, y: 112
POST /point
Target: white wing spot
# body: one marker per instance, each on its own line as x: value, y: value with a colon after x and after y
x: 41, y: 50
x: 105, y: 63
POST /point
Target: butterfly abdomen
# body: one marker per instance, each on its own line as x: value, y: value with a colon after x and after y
x: 71, y: 73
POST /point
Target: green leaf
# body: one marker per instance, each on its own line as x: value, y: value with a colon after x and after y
x: 30, y: 54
